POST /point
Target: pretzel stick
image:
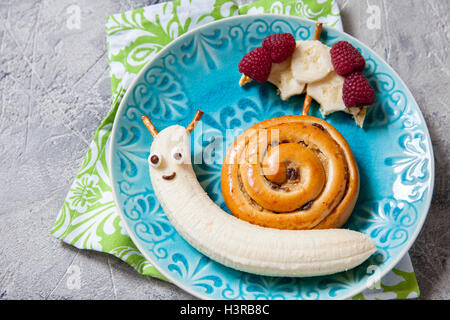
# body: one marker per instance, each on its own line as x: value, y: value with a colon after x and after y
x: 149, y: 126
x: 244, y: 79
x: 197, y: 117
x: 307, y: 101
x: 318, y: 31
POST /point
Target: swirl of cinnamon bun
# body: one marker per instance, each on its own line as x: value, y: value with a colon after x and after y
x: 291, y: 172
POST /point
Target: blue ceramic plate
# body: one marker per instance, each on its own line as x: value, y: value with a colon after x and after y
x: 199, y: 70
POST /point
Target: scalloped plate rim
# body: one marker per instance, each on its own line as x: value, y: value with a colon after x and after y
x: 358, y: 289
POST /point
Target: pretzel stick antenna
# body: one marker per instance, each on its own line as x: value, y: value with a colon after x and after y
x: 197, y: 117
x: 307, y: 101
x: 149, y: 125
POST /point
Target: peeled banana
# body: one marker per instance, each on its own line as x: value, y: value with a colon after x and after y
x: 237, y: 243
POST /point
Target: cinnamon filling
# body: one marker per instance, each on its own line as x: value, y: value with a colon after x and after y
x: 292, y: 174
x: 317, y: 125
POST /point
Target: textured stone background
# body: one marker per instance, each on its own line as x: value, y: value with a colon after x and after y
x: 54, y: 92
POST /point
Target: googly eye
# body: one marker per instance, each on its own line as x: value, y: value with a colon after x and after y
x: 154, y: 159
x: 177, y: 155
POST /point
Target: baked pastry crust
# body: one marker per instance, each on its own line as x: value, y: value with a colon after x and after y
x: 291, y: 172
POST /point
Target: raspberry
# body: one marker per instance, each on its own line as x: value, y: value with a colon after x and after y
x: 357, y: 91
x: 346, y: 58
x: 280, y: 45
x: 256, y: 64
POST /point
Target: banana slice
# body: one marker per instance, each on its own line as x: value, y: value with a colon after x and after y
x: 328, y: 93
x: 281, y: 76
x: 310, y: 66
x: 311, y: 61
x: 237, y: 243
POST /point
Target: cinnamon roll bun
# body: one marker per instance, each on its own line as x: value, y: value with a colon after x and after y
x: 291, y: 172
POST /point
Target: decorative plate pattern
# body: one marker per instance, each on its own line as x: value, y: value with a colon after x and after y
x: 199, y: 70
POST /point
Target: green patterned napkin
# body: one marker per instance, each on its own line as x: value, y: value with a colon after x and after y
x: 88, y: 218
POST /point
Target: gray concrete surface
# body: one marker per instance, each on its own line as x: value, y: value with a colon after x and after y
x: 54, y: 92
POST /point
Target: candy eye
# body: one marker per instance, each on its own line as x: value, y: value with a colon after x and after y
x: 177, y: 155
x: 154, y: 159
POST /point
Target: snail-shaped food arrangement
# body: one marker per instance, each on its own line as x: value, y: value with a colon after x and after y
x: 237, y: 243
x: 289, y: 182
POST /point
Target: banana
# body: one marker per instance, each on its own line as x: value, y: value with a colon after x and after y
x: 237, y: 243
x: 281, y: 76
x: 311, y: 61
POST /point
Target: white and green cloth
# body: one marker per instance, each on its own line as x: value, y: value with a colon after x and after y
x: 88, y: 218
